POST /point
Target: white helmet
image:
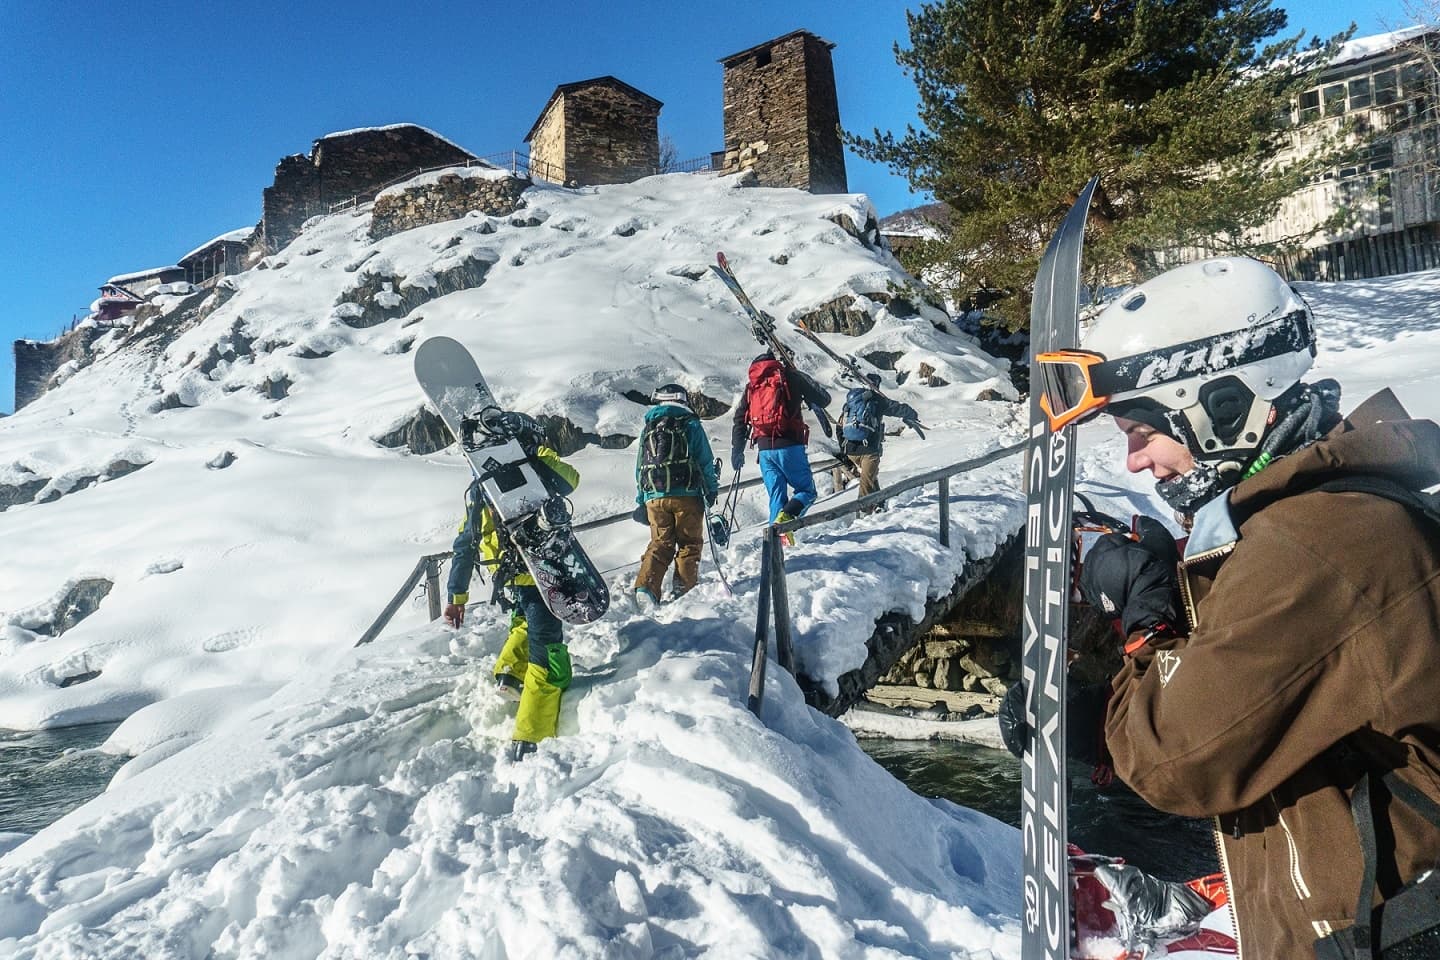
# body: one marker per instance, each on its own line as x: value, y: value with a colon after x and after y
x: 670, y: 393
x: 1204, y: 349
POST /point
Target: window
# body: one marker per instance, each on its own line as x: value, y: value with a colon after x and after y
x: 1412, y: 79
x: 1309, y: 106
x: 1335, y: 100
x: 762, y: 57
x: 1385, y: 90
x: 1359, y: 93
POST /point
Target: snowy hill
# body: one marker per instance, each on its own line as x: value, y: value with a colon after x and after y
x: 292, y: 796
x: 247, y: 574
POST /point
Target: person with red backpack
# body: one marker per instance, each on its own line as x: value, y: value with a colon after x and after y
x: 768, y: 415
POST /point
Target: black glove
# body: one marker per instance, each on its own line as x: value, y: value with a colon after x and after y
x: 1013, y: 728
x: 915, y: 425
x: 824, y: 419
x: 1084, y: 727
x: 641, y: 515
x: 1134, y: 580
x: 737, y: 458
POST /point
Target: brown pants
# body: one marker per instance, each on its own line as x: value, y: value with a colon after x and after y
x: 869, y: 466
x: 677, y: 532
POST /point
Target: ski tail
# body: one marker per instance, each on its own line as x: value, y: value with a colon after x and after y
x: 1047, y: 928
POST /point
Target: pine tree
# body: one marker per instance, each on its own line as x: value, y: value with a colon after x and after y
x: 1176, y: 104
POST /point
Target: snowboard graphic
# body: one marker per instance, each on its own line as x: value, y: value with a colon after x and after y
x: 1046, y: 929
x: 533, y: 519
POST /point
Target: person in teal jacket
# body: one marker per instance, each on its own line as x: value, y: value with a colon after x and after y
x: 534, y: 665
x: 677, y: 479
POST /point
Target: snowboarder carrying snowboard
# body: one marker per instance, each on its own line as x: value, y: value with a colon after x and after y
x: 768, y: 415
x: 1281, y: 678
x: 677, y: 479
x: 534, y: 665
x: 861, y: 429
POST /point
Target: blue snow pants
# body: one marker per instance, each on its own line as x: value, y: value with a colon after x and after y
x: 783, y: 469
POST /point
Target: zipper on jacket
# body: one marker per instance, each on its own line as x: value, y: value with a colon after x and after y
x: 1302, y: 889
x: 1219, y: 836
x: 1186, y: 596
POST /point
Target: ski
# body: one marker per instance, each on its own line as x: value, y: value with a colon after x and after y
x: 1046, y: 928
x: 530, y: 515
x: 849, y: 369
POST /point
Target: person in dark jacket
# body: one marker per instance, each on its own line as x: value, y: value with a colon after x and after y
x: 676, y: 480
x: 861, y: 428
x: 1287, y: 665
x: 768, y: 415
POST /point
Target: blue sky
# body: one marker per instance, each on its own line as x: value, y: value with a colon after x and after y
x: 137, y: 131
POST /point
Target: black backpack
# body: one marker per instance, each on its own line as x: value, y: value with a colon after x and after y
x: 665, y: 461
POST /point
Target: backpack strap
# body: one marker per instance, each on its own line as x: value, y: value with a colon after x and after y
x: 1361, y: 933
x: 1425, y: 504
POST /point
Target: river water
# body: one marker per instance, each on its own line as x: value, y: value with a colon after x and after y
x: 1112, y: 821
x: 45, y: 774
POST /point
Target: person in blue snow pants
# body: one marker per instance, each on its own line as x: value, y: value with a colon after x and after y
x: 784, y: 469
x: 769, y: 416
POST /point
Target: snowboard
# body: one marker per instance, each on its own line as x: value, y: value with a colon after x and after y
x: 1046, y: 926
x: 529, y: 516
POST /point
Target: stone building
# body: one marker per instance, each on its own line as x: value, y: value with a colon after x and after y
x: 782, y: 117
x: 594, y: 132
x: 347, y: 165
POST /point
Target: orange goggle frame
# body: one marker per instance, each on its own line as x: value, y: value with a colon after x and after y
x: 1067, y: 386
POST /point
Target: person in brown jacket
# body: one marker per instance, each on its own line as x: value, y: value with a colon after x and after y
x: 1290, y: 661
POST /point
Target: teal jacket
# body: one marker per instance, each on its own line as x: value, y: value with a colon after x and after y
x: 704, y: 477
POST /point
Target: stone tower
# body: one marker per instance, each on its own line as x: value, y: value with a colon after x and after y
x: 782, y: 118
x: 596, y: 131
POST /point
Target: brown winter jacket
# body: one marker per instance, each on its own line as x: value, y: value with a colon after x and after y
x: 1320, y: 623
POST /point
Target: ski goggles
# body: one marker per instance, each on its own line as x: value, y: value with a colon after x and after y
x: 1076, y: 384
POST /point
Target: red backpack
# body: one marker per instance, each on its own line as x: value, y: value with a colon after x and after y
x: 769, y: 404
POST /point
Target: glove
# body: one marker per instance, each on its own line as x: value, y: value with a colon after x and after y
x: 641, y: 515
x: 1134, y: 580
x: 824, y: 419
x: 737, y: 458
x: 454, y: 614
x: 915, y: 425
x: 1013, y: 728
x: 1085, y: 721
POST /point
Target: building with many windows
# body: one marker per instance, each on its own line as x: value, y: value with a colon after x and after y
x: 1386, y: 87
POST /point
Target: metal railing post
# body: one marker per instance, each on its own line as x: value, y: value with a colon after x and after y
x: 944, y: 511
x: 762, y: 634
x: 394, y: 604
x: 432, y: 586
x: 780, y: 601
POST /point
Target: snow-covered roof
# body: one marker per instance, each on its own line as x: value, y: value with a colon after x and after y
x: 392, y: 126
x: 142, y: 274
x: 482, y: 171
x: 1361, y: 48
x: 234, y: 236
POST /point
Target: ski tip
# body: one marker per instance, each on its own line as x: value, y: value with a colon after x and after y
x: 720, y: 259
